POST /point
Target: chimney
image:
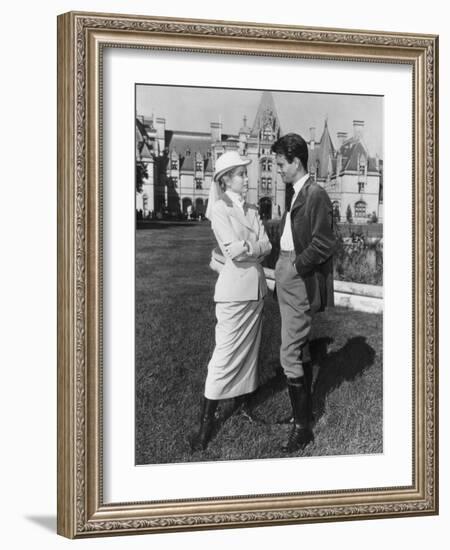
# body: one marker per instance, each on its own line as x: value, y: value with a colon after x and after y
x: 341, y: 137
x: 312, y: 137
x: 358, y: 127
x: 160, y: 127
x: 339, y: 164
x: 216, y: 131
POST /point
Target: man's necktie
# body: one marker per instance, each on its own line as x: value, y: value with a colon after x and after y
x: 289, y: 196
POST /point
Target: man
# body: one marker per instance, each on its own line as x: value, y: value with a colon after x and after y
x: 303, y: 276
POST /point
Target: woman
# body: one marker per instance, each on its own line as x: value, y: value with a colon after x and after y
x: 239, y: 292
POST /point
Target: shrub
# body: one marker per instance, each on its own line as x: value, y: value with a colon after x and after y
x: 359, y: 263
x: 357, y: 259
x: 349, y: 214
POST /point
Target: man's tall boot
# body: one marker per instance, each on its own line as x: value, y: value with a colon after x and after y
x: 309, y: 373
x: 201, y: 438
x: 301, y: 433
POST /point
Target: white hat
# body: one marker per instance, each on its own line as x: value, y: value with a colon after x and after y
x: 227, y: 162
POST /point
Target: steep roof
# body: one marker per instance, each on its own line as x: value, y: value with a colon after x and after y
x: 350, y: 150
x: 192, y: 142
x: 145, y: 153
x: 140, y: 127
x: 138, y: 141
x: 324, y: 155
x: 321, y: 154
x: 142, y: 149
x: 187, y: 163
x: 266, y: 114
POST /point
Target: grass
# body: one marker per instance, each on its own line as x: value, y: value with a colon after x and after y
x: 175, y: 324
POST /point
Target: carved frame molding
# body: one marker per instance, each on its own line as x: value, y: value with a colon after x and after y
x: 81, y: 37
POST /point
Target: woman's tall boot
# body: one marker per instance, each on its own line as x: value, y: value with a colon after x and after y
x: 201, y: 438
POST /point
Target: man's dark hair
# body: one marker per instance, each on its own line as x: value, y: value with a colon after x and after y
x: 292, y: 145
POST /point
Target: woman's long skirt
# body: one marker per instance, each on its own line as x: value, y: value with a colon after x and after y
x: 233, y: 368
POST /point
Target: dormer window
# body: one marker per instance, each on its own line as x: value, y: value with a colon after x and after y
x: 199, y: 165
x: 174, y: 164
x: 362, y: 165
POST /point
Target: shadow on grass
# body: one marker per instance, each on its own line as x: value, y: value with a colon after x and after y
x: 330, y: 370
x: 335, y: 368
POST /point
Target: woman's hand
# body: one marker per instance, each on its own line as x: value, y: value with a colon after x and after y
x: 235, y: 249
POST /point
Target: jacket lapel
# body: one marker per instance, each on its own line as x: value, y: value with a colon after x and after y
x: 237, y: 213
x: 283, y: 223
x: 301, y: 197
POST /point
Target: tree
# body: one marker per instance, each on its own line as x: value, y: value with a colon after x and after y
x: 336, y: 213
x: 349, y: 214
x: 141, y: 174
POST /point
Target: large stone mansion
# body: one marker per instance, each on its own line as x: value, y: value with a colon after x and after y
x: 179, y: 165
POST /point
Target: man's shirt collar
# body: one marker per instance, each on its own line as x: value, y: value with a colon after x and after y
x: 299, y: 184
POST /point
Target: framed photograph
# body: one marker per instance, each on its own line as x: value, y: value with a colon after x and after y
x: 247, y: 284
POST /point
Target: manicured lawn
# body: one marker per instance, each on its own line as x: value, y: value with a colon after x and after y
x: 174, y: 340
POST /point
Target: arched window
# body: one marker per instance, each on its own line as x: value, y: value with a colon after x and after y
x: 186, y: 202
x: 265, y: 208
x: 360, y: 209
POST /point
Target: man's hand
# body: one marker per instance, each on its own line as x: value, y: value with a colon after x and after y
x: 235, y: 249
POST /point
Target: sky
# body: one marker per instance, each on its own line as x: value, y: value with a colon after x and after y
x: 193, y: 109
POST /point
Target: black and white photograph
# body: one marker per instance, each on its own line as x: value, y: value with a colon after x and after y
x: 247, y: 284
x: 258, y: 274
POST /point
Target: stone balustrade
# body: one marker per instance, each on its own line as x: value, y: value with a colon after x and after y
x: 356, y: 296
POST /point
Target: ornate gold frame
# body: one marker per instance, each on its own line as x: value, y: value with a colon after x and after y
x: 81, y: 37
